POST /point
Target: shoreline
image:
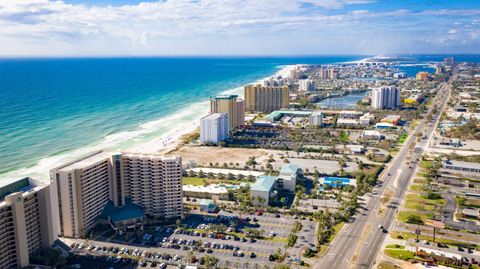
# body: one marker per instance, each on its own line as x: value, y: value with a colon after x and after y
x: 160, y: 136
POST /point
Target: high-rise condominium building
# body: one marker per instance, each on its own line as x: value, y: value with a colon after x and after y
x: 233, y: 106
x: 83, y: 189
x: 385, y: 97
x: 85, y: 186
x: 265, y: 99
x: 306, y: 85
x: 153, y: 182
x: 26, y: 221
x: 214, y: 128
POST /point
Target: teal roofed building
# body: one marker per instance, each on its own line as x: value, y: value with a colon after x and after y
x: 289, y: 173
x: 263, y: 189
x: 207, y: 205
x: 129, y: 216
x: 279, y: 114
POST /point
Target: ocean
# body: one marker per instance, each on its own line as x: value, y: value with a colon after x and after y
x: 53, y: 110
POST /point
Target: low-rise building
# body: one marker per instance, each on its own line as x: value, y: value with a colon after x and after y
x: 350, y: 114
x: 471, y: 212
x: 393, y: 119
x: 372, y: 135
x: 347, y: 122
x: 412, y: 99
x: 289, y: 173
x: 208, y: 206
x: 213, y: 192
x: 462, y: 167
x: 454, y: 142
x: 367, y: 119
x: 263, y: 189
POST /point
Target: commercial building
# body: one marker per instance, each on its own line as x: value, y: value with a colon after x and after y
x: 287, y: 179
x: 316, y: 119
x: 422, y: 76
x: 259, y: 98
x: 86, y: 186
x: 306, y: 85
x: 345, y: 122
x: 263, y: 189
x: 466, y: 169
x: 26, y: 221
x: 233, y: 106
x: 214, y: 192
x: 214, y: 128
x: 367, y: 119
x: 393, y: 119
x: 372, y: 134
x: 386, y: 97
x: 412, y: 99
x: 208, y: 206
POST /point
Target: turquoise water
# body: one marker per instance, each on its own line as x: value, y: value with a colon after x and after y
x: 343, y: 102
x: 54, y: 110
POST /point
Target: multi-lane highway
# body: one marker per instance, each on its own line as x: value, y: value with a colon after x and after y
x: 357, y: 245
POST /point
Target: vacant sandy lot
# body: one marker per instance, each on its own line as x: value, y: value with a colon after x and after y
x: 204, y: 155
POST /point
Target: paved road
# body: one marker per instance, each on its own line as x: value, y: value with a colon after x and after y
x: 359, y: 241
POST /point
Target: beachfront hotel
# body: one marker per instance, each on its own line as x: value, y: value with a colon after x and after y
x: 233, y: 106
x: 26, y: 221
x: 259, y: 98
x: 214, y: 128
x: 386, y: 97
x: 86, y: 187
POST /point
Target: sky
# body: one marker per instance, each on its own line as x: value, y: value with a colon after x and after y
x: 238, y: 27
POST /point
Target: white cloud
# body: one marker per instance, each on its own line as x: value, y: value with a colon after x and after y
x: 198, y: 27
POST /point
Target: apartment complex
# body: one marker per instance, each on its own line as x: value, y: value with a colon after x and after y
x: 85, y: 186
x: 26, y: 222
x: 385, y: 97
x: 306, y: 85
x: 233, y: 106
x: 152, y: 182
x: 214, y: 128
x: 259, y: 98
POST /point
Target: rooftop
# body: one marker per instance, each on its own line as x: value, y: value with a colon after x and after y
x: 85, y: 161
x: 289, y: 169
x: 214, y: 116
x: 213, y: 189
x: 462, y: 164
x: 21, y: 185
x: 118, y: 214
x: 264, y: 183
x: 231, y: 96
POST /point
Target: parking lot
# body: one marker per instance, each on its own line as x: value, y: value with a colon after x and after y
x: 196, y: 239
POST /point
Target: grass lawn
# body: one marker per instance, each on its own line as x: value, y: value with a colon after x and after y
x: 426, y: 164
x: 193, y: 181
x: 402, y: 138
x: 387, y: 265
x: 400, y: 254
x: 336, y: 230
x: 419, y: 179
x: 397, y: 246
x: 403, y: 215
x: 406, y: 236
x: 416, y: 187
